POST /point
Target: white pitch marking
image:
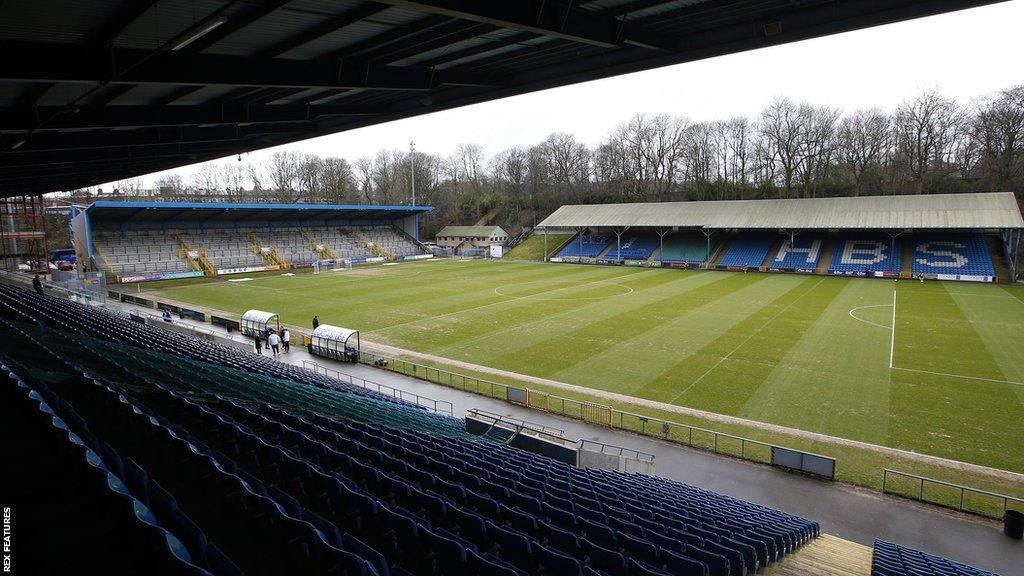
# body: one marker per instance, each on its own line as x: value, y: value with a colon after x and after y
x: 961, y: 376
x: 859, y: 319
x: 742, y: 344
x: 892, y: 341
x: 510, y: 299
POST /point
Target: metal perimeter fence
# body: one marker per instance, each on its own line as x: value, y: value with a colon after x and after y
x: 440, y: 406
x: 949, y: 495
x: 693, y: 436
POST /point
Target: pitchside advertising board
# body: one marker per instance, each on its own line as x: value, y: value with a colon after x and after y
x: 246, y: 269
x: 166, y: 276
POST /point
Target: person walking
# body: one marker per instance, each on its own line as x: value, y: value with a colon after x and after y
x: 259, y: 343
x: 38, y: 285
x: 286, y: 339
x: 274, y: 341
x: 316, y: 321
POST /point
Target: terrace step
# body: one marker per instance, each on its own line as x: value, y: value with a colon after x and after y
x: 825, y: 258
x: 999, y: 261
x: 772, y: 252
x: 723, y: 248
x: 907, y: 260
x: 826, y: 555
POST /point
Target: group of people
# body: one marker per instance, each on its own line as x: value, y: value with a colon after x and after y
x: 274, y: 340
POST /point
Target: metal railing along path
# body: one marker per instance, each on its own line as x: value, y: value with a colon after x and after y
x: 948, y: 494
x: 441, y: 406
x: 693, y: 436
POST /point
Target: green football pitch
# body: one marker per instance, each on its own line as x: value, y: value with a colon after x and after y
x: 808, y: 352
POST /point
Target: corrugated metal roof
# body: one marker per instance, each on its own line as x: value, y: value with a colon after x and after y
x: 470, y: 231
x: 74, y: 45
x: 938, y: 211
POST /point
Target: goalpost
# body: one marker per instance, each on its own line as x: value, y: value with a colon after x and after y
x: 328, y: 265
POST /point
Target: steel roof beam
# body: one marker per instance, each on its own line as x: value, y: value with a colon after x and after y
x: 321, y: 29
x: 17, y: 119
x: 235, y: 23
x: 65, y: 63
x: 148, y: 137
x: 544, y: 19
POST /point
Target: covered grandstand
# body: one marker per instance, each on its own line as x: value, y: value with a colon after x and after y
x: 143, y: 241
x: 974, y: 237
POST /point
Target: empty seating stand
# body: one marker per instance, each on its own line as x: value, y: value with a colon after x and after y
x: 685, y: 247
x: 953, y: 255
x: 799, y: 254
x: 584, y: 246
x: 890, y: 559
x: 144, y: 252
x: 747, y: 250
x: 633, y: 247
x: 866, y: 255
x: 258, y: 468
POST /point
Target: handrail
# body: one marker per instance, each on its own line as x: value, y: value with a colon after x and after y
x: 159, y: 319
x: 440, y: 406
x: 622, y: 450
x: 923, y: 481
x: 686, y: 434
x: 520, y: 422
x: 517, y: 426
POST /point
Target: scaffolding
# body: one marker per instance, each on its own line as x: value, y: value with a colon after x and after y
x: 23, y: 234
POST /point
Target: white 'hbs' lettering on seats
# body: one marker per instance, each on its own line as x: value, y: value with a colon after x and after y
x: 811, y: 251
x: 933, y: 248
x: 864, y: 252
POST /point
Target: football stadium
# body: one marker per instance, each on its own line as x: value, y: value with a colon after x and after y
x: 795, y: 386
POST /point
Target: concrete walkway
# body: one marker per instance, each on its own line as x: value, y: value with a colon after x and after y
x: 852, y: 513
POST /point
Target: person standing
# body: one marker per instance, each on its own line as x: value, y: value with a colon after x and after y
x: 259, y: 343
x: 38, y: 285
x: 316, y: 321
x: 286, y: 339
x: 274, y: 341
x: 167, y: 316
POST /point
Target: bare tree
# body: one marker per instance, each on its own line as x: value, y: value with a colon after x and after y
x: 337, y: 181
x: 171, y: 185
x: 998, y: 133
x: 739, y: 131
x: 131, y: 187
x: 926, y: 129
x: 364, y: 175
x: 783, y: 129
x: 863, y: 139
x: 206, y: 180
x: 817, y: 146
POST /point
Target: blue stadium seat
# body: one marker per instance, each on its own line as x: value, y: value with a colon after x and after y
x: 340, y: 479
x: 747, y: 250
x: 633, y: 247
x: 953, y: 255
x: 890, y: 559
x: 866, y: 255
x: 586, y: 246
x: 800, y: 254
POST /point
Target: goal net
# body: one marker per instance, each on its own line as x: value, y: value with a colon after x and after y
x: 328, y: 265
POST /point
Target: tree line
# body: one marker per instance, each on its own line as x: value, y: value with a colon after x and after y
x: 929, y: 143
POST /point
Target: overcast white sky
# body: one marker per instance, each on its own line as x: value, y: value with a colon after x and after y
x: 966, y: 54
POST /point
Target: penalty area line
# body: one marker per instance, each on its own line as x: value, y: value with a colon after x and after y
x: 959, y: 376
